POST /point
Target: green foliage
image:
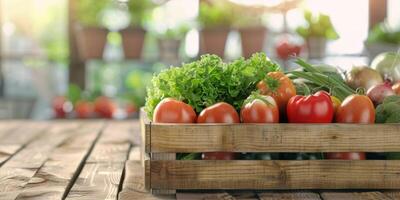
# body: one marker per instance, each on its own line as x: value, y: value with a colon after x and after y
x: 89, y: 11
x: 329, y: 81
x: 74, y: 93
x: 175, y: 33
x: 381, y: 33
x: 216, y: 14
x: 389, y: 110
x: 317, y: 26
x: 209, y: 80
x: 136, y: 83
x: 139, y: 11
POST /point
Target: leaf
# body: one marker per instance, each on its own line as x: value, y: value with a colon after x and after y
x: 74, y: 93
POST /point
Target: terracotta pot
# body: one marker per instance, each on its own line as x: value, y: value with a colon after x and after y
x: 316, y: 47
x: 132, y: 42
x: 252, y: 40
x: 90, y: 41
x: 213, y: 41
x: 169, y: 50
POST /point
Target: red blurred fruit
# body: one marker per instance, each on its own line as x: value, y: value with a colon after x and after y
x: 284, y: 49
x: 61, y: 106
x: 83, y: 109
x: 130, y: 108
x: 104, y: 106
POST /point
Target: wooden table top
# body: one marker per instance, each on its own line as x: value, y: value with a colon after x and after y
x: 100, y: 160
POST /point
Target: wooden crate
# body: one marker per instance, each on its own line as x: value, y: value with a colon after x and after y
x: 164, y: 174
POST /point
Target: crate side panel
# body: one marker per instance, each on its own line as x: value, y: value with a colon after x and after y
x: 278, y: 174
x: 275, y: 138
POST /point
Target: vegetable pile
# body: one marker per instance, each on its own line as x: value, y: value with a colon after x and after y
x: 256, y: 91
x: 208, y: 81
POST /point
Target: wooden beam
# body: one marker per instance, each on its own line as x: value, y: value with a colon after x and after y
x: 275, y: 174
x: 77, y: 72
x: 377, y: 12
x: 187, y: 138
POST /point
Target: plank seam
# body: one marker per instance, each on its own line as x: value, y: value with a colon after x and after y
x: 82, y: 163
x: 121, y: 181
x: 23, y: 145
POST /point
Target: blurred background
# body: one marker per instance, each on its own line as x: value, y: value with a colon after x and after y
x: 93, y: 58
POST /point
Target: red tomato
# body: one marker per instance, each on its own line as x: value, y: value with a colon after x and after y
x: 104, y: 107
x: 317, y: 108
x: 278, y: 86
x: 356, y: 109
x: 83, y: 109
x: 61, y: 106
x: 284, y: 50
x: 173, y: 111
x: 131, y: 108
x: 219, y: 113
x: 218, y: 156
x: 346, y: 156
x: 259, y: 109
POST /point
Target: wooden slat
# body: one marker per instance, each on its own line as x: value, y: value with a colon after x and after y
x: 16, y: 173
x: 133, y: 186
x: 394, y: 194
x: 354, y: 196
x: 205, y: 195
x: 18, y: 137
x: 6, y: 151
x: 103, y: 170
x: 52, y: 179
x: 273, y: 138
x: 289, y: 196
x: 253, y: 174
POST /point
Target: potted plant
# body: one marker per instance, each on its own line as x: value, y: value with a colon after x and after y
x: 382, y: 38
x: 91, y: 37
x: 133, y: 36
x: 251, y: 29
x: 169, y: 43
x: 316, y: 33
x: 215, y: 19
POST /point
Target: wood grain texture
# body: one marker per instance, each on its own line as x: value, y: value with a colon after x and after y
x: 205, y: 195
x: 133, y: 186
x: 6, y: 151
x: 97, y: 181
x: 354, y: 196
x: 160, y: 156
x: 394, y: 194
x: 292, y: 195
x: 102, y: 173
x: 252, y: 174
x: 16, y: 172
x: 52, y: 179
x: 272, y: 138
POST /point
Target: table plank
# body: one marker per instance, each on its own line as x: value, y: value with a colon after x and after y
x: 17, y: 171
x: 354, y: 196
x: 133, y: 185
x: 52, y: 180
x: 292, y: 195
x: 102, y: 173
x: 18, y: 137
x: 394, y: 194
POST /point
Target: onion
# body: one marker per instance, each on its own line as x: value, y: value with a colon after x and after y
x: 377, y: 93
x: 388, y: 65
x: 363, y: 77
